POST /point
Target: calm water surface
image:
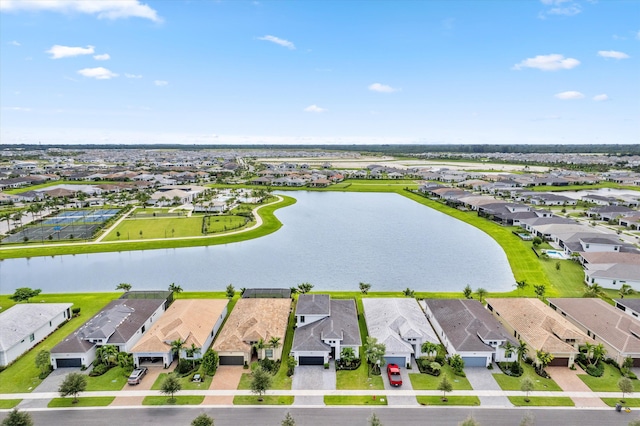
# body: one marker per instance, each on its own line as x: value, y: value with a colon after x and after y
x: 330, y: 239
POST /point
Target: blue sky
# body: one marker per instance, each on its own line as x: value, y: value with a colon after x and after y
x: 311, y: 71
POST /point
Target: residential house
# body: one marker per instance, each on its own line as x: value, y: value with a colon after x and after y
x: 466, y: 328
x: 324, y: 327
x: 251, y: 326
x: 192, y: 321
x: 121, y: 323
x: 629, y: 306
x: 619, y: 333
x: 26, y: 324
x: 399, y: 324
x: 540, y: 327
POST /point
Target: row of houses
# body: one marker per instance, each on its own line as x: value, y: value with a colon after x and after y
x: 257, y: 326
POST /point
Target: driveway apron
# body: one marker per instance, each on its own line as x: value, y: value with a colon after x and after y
x: 227, y: 377
x: 393, y: 393
x: 481, y: 378
x: 313, y: 377
x: 50, y: 384
x: 569, y: 381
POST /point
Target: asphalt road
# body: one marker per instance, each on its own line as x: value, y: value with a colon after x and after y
x: 339, y: 416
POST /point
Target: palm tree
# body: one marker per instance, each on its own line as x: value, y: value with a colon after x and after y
x: 509, y: 349
x: 175, y: 288
x: 192, y: 352
x: 259, y: 346
x: 520, y: 285
x: 6, y: 216
x: 481, y: 292
x: 625, y: 290
x: 521, y: 350
x: 593, y: 290
x: 274, y: 342
x: 588, y: 351
x: 429, y: 348
x: 176, y: 347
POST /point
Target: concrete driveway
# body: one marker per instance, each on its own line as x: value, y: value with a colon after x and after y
x: 481, y: 378
x: 145, y: 384
x: 227, y: 377
x: 569, y: 381
x: 398, y: 399
x: 313, y: 377
x: 50, y: 384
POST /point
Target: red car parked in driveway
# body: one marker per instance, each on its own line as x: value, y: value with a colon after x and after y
x: 393, y: 371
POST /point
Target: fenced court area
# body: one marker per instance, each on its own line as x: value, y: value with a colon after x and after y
x: 66, y: 225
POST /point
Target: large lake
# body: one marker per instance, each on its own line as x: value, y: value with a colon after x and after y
x: 330, y: 239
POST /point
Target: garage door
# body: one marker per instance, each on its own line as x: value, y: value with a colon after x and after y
x: 311, y: 360
x: 559, y: 362
x: 636, y: 362
x: 232, y: 360
x: 474, y: 361
x: 69, y: 362
x: 399, y: 360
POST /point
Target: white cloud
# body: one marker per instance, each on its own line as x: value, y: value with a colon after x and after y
x: 558, y: 7
x: 571, y: 94
x: 58, y: 51
x: 553, y: 62
x: 612, y: 54
x: 382, y: 88
x: 103, y: 57
x: 103, y: 9
x: 20, y: 109
x: 98, y: 73
x: 601, y: 98
x: 280, y: 41
x: 160, y: 82
x: 132, y: 75
x: 14, y: 43
x: 314, y: 108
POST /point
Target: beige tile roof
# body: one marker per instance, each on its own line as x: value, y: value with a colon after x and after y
x: 252, y: 320
x: 188, y: 319
x: 539, y: 325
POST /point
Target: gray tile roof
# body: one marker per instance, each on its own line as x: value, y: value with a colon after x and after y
x: 342, y: 324
x: 23, y: 319
x: 118, y: 321
x: 313, y: 304
x: 464, y: 320
x: 633, y: 304
x: 392, y: 320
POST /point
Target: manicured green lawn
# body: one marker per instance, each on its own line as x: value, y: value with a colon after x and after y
x: 186, y: 382
x: 421, y: 381
x: 89, y: 401
x: 451, y: 400
x: 358, y: 379
x: 156, y: 227
x: 177, y: 400
x: 112, y: 380
x: 355, y: 400
x: 514, y: 383
x: 270, y: 224
x: 22, y: 375
x: 628, y: 402
x: 608, y: 382
x: 568, y: 280
x: 216, y: 224
x: 6, y: 404
x: 542, y: 401
x: 266, y: 400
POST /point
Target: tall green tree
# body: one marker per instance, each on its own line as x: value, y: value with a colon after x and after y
x: 202, y: 420
x: 445, y: 386
x: 107, y: 354
x: 43, y: 362
x: 304, y: 288
x: 23, y: 294
x: 73, y: 384
x: 625, y: 290
x: 170, y: 386
x: 288, y: 420
x: 625, y: 385
x: 347, y: 355
x: 175, y: 288
x: 429, y: 348
x: 260, y: 381
x: 230, y: 291
x: 124, y: 287
x: 520, y: 285
x: 210, y: 362
x: 374, y: 353
x: 18, y: 418
x: 593, y: 290
x: 540, y: 290
x: 365, y: 287
x: 467, y: 292
x: 521, y: 351
x: 482, y: 293
x: 543, y: 359
x: 176, y: 347
x: 526, y: 386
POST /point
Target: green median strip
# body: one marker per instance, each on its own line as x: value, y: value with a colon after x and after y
x: 450, y: 400
x: 89, y: 401
x: 5, y: 404
x: 542, y: 401
x: 176, y: 400
x: 355, y: 400
x: 264, y: 400
x: 628, y: 402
